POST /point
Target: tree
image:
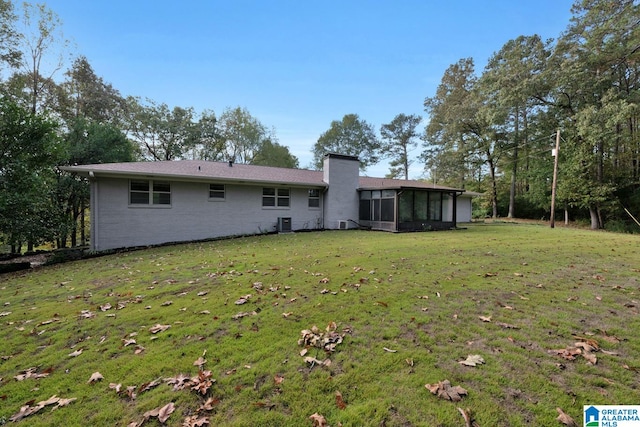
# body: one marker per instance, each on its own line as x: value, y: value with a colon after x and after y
x: 86, y: 142
x: 41, y: 35
x: 9, y: 37
x: 596, y: 95
x: 398, y: 138
x: 29, y: 151
x: 351, y: 136
x: 86, y: 95
x: 160, y: 132
x: 512, y: 77
x: 242, y: 135
x: 274, y: 154
x: 462, y: 124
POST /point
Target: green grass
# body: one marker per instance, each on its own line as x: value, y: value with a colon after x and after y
x: 418, y: 294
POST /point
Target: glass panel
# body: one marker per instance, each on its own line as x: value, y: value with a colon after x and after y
x: 446, y: 202
x: 420, y: 206
x: 314, y: 203
x: 268, y: 191
x: 216, y: 191
x: 268, y: 201
x: 161, y: 198
x: 139, y: 185
x: 406, y: 206
x: 314, y: 192
x: 376, y: 210
x: 435, y: 206
x: 388, y: 193
x: 388, y: 206
x: 365, y: 195
x: 283, y: 192
x: 375, y: 194
x: 161, y: 186
x: 365, y: 210
x: 283, y: 201
x: 137, y: 198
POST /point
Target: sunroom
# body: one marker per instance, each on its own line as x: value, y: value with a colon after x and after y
x: 408, y: 208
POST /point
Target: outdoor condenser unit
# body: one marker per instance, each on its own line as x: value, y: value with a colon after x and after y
x: 284, y: 224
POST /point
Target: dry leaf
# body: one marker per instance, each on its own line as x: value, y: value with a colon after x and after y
x: 158, y: 328
x: 485, y: 318
x: 472, y: 360
x: 76, y: 353
x: 318, y: 420
x: 340, y: 401
x: 200, y: 362
x: 195, y: 421
x: 445, y: 390
x: 165, y: 412
x: 278, y: 379
x: 95, y: 377
x: 565, y: 419
x: 468, y: 419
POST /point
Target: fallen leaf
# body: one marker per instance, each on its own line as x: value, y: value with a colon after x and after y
x: 565, y: 419
x: 76, y: 353
x: 158, y: 328
x: 165, y: 412
x: 200, y: 362
x: 95, y: 377
x: 445, y: 390
x: 340, y: 401
x: 472, y: 360
x: 389, y: 350
x: 318, y: 420
x: 278, y: 379
x: 485, y: 318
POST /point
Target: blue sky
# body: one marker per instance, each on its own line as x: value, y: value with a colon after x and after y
x: 297, y: 65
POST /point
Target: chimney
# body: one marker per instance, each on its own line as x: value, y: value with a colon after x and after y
x: 342, y: 174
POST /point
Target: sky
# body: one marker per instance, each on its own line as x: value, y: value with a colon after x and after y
x: 297, y: 65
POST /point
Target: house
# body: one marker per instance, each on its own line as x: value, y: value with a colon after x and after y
x: 148, y: 203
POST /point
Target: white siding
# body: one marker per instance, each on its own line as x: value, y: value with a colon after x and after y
x: 464, y: 209
x: 191, y: 215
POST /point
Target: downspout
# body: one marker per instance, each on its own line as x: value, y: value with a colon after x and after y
x: 455, y: 209
x: 93, y: 205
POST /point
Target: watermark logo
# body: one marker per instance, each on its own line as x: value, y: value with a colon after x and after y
x: 611, y: 416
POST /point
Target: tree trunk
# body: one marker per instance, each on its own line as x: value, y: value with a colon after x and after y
x: 595, y: 222
x: 514, y: 170
x: 494, y: 186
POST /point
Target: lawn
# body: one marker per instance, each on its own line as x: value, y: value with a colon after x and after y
x: 212, y: 333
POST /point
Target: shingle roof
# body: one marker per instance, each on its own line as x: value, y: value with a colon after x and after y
x: 369, y: 183
x: 222, y: 171
x: 204, y: 170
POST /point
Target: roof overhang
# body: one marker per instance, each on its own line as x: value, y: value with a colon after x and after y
x: 93, y: 173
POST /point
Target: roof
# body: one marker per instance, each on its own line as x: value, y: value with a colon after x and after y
x: 198, y: 170
x: 203, y: 170
x: 369, y: 183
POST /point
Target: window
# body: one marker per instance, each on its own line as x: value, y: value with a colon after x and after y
x: 275, y: 197
x: 314, y: 198
x: 216, y: 191
x: 149, y: 192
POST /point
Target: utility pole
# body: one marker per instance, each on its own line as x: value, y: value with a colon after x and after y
x: 555, y: 180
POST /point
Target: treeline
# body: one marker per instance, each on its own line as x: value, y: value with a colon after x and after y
x: 490, y: 132
x: 494, y: 132
x: 50, y: 117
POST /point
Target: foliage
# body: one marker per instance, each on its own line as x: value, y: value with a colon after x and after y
x: 30, y: 150
x: 273, y: 154
x: 398, y: 138
x: 511, y: 304
x: 351, y: 136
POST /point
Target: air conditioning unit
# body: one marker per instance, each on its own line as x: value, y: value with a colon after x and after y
x: 284, y: 225
x: 343, y: 224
